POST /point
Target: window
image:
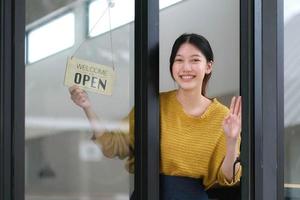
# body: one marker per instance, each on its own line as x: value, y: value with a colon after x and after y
x: 52, y: 37
x: 165, y: 3
x: 121, y: 13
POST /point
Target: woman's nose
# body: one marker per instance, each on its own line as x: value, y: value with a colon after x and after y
x: 187, y: 66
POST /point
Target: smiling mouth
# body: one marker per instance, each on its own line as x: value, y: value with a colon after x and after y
x: 187, y: 77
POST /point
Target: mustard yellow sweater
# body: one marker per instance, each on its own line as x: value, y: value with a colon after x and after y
x: 190, y: 146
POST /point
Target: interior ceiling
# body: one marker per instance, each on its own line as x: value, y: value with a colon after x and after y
x: 36, y: 9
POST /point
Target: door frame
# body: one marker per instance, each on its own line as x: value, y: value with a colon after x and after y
x: 147, y: 145
x: 261, y: 46
x: 262, y: 90
x: 12, y: 96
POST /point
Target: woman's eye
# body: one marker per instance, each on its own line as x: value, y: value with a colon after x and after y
x: 196, y: 60
x: 178, y: 60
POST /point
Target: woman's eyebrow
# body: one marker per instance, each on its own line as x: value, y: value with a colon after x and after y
x: 196, y: 55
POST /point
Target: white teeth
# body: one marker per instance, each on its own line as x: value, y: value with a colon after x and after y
x: 187, y: 77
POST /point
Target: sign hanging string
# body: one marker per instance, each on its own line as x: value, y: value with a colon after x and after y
x: 110, y: 5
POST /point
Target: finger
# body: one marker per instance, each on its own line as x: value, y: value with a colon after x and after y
x: 82, y: 98
x: 227, y: 119
x: 73, y: 87
x: 232, y: 104
x: 236, y: 106
x: 74, y: 91
x: 77, y: 92
x: 84, y: 95
x: 240, y: 107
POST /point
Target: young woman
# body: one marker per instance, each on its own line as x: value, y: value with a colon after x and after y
x: 200, y: 137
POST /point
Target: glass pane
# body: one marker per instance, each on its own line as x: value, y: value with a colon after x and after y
x: 291, y: 98
x: 122, y: 13
x: 64, y: 158
x: 165, y: 3
x: 52, y: 37
x: 218, y: 22
x: 99, y: 24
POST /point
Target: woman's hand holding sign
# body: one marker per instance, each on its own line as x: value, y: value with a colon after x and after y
x: 79, y: 97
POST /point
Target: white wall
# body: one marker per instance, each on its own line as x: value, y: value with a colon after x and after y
x: 218, y: 21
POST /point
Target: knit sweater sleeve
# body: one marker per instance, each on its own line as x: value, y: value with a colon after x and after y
x: 117, y: 143
x: 215, y: 175
x: 215, y: 170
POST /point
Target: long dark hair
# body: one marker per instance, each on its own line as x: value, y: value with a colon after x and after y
x: 199, y: 42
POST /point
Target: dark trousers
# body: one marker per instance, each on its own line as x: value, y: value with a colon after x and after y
x: 180, y: 188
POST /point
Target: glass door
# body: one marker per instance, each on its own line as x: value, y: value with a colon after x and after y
x: 61, y: 159
x: 78, y: 143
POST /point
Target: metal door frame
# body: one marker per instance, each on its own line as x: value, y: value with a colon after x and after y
x: 261, y: 87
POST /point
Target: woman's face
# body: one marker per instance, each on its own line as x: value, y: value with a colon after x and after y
x: 190, y: 67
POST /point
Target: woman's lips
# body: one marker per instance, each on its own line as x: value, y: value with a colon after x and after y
x: 187, y: 77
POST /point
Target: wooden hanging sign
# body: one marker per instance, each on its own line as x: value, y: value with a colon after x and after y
x: 89, y: 76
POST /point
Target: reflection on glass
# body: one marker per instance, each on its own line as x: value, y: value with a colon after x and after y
x: 166, y: 3
x: 292, y: 98
x: 52, y: 37
x: 99, y: 16
x: 121, y: 12
x: 62, y: 161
